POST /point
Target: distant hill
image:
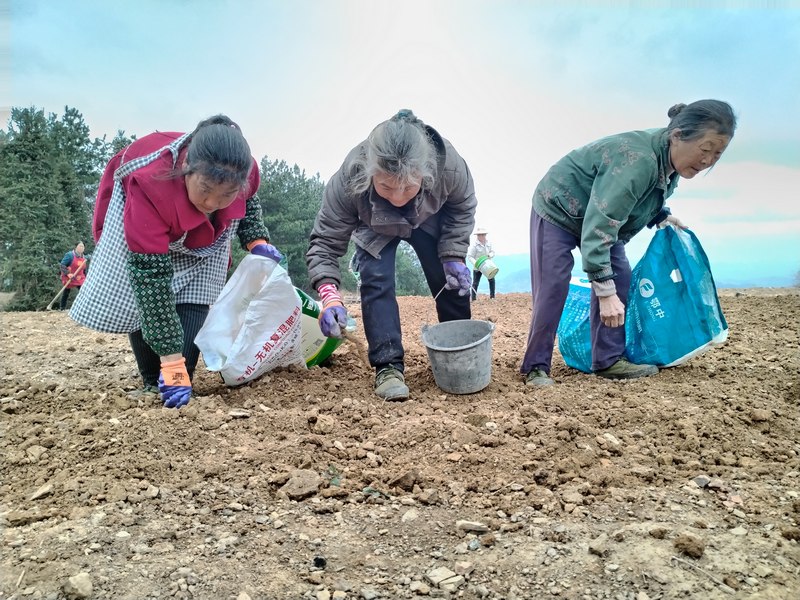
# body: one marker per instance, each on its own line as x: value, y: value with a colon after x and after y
x: 515, y: 276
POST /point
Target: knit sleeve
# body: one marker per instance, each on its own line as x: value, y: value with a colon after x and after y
x: 151, y: 280
x: 252, y: 227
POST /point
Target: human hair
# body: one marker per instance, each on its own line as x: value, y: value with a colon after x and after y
x: 695, y: 119
x: 218, y: 151
x: 399, y: 147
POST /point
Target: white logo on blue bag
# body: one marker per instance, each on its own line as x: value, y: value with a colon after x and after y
x: 646, y: 288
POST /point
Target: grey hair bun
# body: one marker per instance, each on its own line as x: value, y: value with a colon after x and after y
x: 675, y: 110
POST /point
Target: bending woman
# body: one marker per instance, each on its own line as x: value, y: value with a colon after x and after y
x: 167, y: 208
x: 597, y: 198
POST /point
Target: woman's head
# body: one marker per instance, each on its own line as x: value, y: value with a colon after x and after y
x: 217, y: 164
x: 698, y: 135
x: 79, y: 247
x: 398, y: 161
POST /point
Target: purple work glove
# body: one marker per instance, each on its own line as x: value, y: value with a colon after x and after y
x: 267, y: 251
x: 332, y: 321
x: 458, y: 277
x: 333, y: 318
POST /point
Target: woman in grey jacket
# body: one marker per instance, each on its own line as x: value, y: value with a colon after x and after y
x: 404, y: 182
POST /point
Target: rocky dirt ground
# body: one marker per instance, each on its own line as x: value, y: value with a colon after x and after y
x: 304, y: 485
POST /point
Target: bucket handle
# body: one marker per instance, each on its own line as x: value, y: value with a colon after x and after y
x: 435, y: 297
x: 440, y: 292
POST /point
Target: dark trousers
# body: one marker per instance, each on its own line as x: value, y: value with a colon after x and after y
x: 379, y: 309
x: 192, y: 317
x: 476, y: 279
x: 65, y: 297
x: 551, y: 268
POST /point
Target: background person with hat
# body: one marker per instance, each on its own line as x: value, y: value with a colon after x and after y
x: 480, y: 248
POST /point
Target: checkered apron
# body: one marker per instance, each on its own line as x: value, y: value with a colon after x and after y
x: 106, y: 301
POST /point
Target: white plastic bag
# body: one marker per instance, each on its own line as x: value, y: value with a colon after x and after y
x: 255, y: 325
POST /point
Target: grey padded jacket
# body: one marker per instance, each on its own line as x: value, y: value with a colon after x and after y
x: 447, y: 212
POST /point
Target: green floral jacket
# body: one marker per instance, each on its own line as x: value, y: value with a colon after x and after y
x: 606, y: 191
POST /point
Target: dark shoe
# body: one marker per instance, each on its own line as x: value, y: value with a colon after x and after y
x: 144, y: 392
x: 390, y: 384
x: 622, y: 369
x: 538, y: 378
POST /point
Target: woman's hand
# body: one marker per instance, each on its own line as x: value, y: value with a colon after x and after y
x: 612, y: 311
x: 267, y: 251
x: 672, y: 220
x: 457, y: 276
x: 174, y: 384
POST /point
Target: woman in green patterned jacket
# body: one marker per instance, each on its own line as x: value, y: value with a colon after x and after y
x: 597, y: 198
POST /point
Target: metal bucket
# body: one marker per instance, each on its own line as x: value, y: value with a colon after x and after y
x: 486, y: 266
x: 460, y: 353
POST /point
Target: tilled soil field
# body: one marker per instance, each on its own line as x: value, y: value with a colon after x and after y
x: 304, y: 485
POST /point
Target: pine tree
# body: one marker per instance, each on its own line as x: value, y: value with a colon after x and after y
x: 49, y: 169
x: 290, y: 201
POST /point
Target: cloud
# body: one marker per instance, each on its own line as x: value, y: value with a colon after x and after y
x: 742, y: 191
x: 514, y: 85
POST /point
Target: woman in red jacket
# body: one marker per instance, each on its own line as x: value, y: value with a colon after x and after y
x: 167, y: 209
x: 73, y: 272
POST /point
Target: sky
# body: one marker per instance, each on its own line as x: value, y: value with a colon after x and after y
x: 514, y: 85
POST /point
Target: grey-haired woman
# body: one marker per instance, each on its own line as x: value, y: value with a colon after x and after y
x: 597, y: 198
x: 404, y: 182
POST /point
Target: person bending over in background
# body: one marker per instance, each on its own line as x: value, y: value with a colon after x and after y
x: 167, y: 208
x: 73, y: 272
x: 404, y: 182
x: 480, y: 248
x: 597, y: 198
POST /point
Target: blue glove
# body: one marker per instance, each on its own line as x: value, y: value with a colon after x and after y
x: 174, y: 384
x: 458, y: 277
x: 268, y: 251
x: 333, y: 318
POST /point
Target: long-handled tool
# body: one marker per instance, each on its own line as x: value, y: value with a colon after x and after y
x: 61, y: 291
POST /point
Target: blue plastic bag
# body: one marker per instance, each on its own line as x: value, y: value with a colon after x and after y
x: 673, y: 310
x: 574, y: 333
